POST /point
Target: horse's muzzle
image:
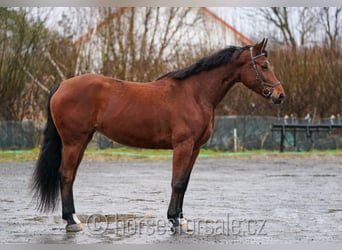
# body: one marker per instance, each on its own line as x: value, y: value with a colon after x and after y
x: 278, y: 100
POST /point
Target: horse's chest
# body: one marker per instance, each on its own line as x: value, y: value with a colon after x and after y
x: 206, y: 133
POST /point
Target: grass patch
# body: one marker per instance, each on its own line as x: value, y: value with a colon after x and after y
x: 124, y: 153
x: 19, y: 155
x: 132, y: 154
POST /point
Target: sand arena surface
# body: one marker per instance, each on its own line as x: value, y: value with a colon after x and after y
x: 256, y: 200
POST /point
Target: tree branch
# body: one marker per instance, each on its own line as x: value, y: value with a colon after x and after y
x: 48, y: 55
x: 35, y: 80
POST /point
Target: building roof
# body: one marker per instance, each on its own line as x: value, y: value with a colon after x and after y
x: 244, y: 40
x: 120, y: 11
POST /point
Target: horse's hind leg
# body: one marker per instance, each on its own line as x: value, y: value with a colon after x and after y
x: 72, y: 156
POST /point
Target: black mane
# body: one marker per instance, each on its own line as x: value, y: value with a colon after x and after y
x: 220, y: 58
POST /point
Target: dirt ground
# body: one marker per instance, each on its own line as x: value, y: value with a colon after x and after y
x: 254, y: 200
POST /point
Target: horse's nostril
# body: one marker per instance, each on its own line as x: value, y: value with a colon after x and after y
x: 282, y: 97
x: 279, y: 100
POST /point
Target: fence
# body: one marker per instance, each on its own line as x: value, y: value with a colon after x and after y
x: 17, y: 135
x: 255, y: 132
x: 252, y: 132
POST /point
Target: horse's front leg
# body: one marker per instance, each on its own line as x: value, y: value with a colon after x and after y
x: 184, y: 157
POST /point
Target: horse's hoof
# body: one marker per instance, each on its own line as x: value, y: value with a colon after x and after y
x: 74, y: 227
x: 182, y: 226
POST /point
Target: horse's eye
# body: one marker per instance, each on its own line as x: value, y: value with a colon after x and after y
x: 264, y: 66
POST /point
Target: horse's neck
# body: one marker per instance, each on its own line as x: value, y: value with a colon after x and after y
x: 214, y: 84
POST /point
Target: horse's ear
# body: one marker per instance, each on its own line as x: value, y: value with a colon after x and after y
x: 259, y: 47
x: 265, y: 44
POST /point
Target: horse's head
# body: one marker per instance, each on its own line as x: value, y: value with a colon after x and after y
x: 257, y: 74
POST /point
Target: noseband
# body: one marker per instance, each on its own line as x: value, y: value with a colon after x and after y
x: 267, y: 88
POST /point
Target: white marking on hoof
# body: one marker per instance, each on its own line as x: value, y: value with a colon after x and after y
x: 182, y: 227
x: 74, y: 216
x: 74, y: 227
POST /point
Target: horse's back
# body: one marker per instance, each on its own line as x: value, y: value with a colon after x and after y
x: 113, y: 107
x: 87, y: 82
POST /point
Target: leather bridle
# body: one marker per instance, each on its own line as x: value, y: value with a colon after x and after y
x: 267, y: 88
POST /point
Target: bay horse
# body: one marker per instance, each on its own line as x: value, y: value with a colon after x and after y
x: 176, y: 112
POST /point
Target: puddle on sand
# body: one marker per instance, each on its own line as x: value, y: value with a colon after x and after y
x: 84, y: 218
x: 98, y: 228
x: 334, y: 210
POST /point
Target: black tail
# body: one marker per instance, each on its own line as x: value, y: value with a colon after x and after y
x: 46, y: 175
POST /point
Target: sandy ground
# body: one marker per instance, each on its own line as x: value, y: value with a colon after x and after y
x: 255, y: 200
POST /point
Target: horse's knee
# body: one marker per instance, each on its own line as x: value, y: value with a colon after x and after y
x: 180, y: 185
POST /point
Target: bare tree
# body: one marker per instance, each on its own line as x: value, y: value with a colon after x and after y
x: 32, y: 59
x: 19, y: 42
x: 331, y: 18
x: 134, y: 45
x: 280, y: 17
x: 307, y: 25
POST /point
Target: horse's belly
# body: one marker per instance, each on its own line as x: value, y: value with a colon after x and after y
x: 140, y: 136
